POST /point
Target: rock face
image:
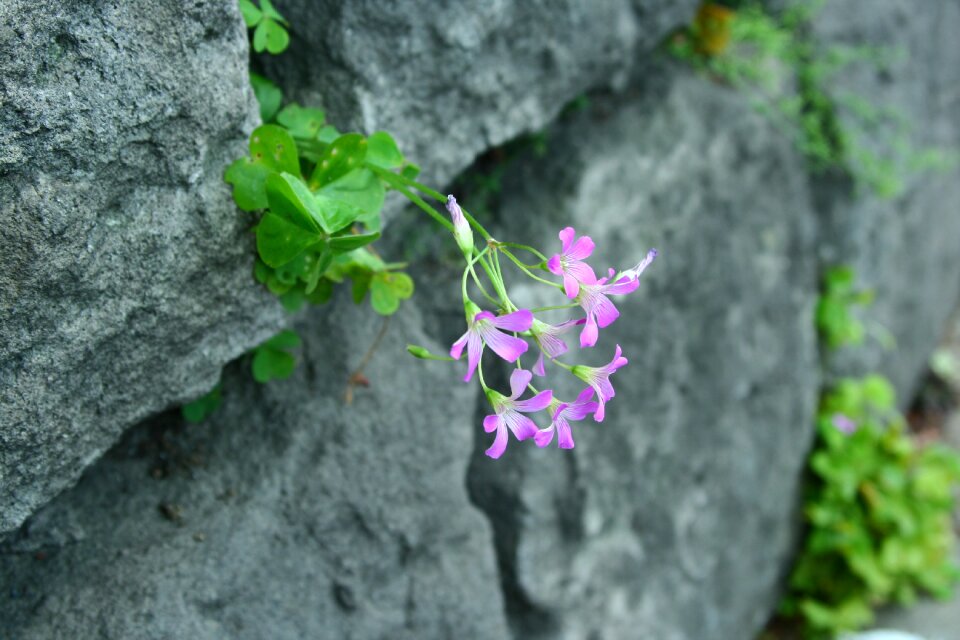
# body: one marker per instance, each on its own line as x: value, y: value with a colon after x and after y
x: 286, y: 515
x: 905, y: 248
x: 674, y: 515
x: 449, y: 80
x: 124, y: 266
x: 125, y: 285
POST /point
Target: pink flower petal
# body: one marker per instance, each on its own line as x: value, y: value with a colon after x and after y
x: 564, y: 434
x: 522, y: 426
x: 567, y: 235
x: 507, y: 347
x: 543, y: 437
x: 554, y: 265
x: 588, y: 337
x: 581, y: 249
x: 605, y: 311
x: 519, y: 380
x: 538, y: 402
x: 474, y: 351
x: 456, y: 349
x: 499, y: 444
x: 571, y: 286
x: 519, y: 320
x: 538, y: 367
x: 490, y: 423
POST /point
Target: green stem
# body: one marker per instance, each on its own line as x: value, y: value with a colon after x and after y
x: 483, y: 291
x: 480, y: 372
x: 525, y: 248
x: 523, y: 268
x: 394, y: 181
x: 554, y: 308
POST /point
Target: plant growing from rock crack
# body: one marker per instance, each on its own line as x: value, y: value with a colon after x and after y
x: 774, y: 60
x: 319, y: 194
x: 878, y: 509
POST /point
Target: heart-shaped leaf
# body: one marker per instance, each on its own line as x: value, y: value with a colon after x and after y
x: 199, y: 409
x: 270, y: 12
x: 251, y: 14
x: 270, y: 36
x: 334, y: 215
x: 382, y: 151
x: 344, y: 154
x: 290, y: 198
x: 387, y: 289
x: 271, y: 364
x: 279, y: 241
x: 342, y: 244
x: 270, y: 152
x: 269, y: 96
x: 274, y: 147
x: 361, y: 189
x: 302, y: 122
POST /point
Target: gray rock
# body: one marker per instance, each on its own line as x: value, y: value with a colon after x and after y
x: 450, y: 80
x: 905, y: 248
x: 124, y: 267
x: 676, y: 515
x: 285, y: 515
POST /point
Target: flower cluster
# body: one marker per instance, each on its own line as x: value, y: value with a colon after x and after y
x: 511, y: 331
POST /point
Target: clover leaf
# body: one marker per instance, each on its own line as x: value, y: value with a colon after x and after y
x: 272, y: 360
x: 382, y: 151
x: 302, y: 122
x: 199, y: 409
x: 269, y: 96
x: 272, y: 150
x: 344, y: 154
x: 387, y: 289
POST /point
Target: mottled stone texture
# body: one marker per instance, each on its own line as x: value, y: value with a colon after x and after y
x: 451, y: 79
x: 124, y: 266
x: 299, y: 517
x: 125, y: 284
x: 674, y: 515
x: 908, y: 248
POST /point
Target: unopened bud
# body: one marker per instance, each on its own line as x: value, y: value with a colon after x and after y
x: 461, y: 228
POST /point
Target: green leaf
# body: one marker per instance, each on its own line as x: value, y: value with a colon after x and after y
x: 344, y: 154
x: 382, y: 151
x: 270, y: 364
x: 319, y: 262
x: 286, y: 339
x: 280, y: 241
x: 248, y: 178
x: 334, y: 215
x: 251, y: 14
x: 270, y: 36
x: 878, y: 391
x: 322, y: 293
x: 271, y: 360
x: 273, y: 146
x: 382, y: 299
x: 270, y: 12
x: 199, y: 409
x: 302, y: 122
x: 342, y: 244
x: 387, y: 289
x: 328, y: 134
x: 289, y: 197
x: 361, y: 284
x: 362, y: 190
x: 411, y: 171
x: 268, y: 96
x: 293, y: 300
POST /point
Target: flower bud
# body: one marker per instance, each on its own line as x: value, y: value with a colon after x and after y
x: 461, y: 228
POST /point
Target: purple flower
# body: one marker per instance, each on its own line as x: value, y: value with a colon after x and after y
x: 562, y: 414
x: 508, y: 412
x: 600, y: 311
x: 569, y: 262
x: 461, y: 228
x: 599, y: 379
x: 482, y: 330
x: 642, y: 265
x: 549, y: 341
x: 843, y: 424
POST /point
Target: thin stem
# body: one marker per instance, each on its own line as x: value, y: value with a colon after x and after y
x: 422, y: 188
x: 525, y: 248
x: 554, y: 308
x: 504, y: 301
x: 357, y: 376
x: 480, y: 372
x: 483, y: 291
x: 394, y: 181
x: 523, y: 268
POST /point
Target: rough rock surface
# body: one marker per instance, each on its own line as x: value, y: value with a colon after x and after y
x: 905, y: 248
x: 450, y: 80
x: 124, y: 266
x: 674, y: 515
x: 286, y: 515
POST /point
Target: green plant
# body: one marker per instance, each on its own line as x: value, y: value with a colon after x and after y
x: 198, y: 410
x: 836, y: 321
x: 878, y: 511
x: 272, y: 360
x: 774, y: 60
x: 268, y: 25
